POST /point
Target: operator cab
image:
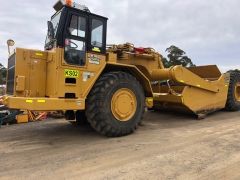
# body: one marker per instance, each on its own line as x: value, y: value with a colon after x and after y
x: 77, y: 30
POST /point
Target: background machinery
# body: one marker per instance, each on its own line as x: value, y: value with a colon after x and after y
x: 110, y: 86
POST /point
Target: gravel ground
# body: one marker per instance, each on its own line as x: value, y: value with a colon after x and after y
x: 167, y: 146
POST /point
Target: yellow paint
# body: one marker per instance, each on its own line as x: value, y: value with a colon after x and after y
x: 22, y: 118
x: 71, y: 73
x: 51, y: 104
x: 149, y: 102
x: 124, y: 104
x: 96, y: 49
x: 201, y: 88
x: 29, y: 101
x: 237, y: 91
x: 39, y: 54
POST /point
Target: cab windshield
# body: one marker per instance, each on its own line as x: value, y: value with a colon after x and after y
x: 55, y: 21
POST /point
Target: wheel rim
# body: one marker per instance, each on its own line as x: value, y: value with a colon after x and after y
x: 237, y: 92
x: 123, y: 104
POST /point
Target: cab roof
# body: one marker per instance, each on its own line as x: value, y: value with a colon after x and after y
x: 75, y: 6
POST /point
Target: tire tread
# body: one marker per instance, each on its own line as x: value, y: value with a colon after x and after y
x: 95, y: 115
x: 232, y: 104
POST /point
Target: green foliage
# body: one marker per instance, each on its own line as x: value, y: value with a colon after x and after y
x: 165, y: 62
x: 3, y: 74
x: 176, y: 56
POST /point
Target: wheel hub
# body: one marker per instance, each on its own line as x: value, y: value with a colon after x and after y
x: 124, y: 104
x: 237, y: 92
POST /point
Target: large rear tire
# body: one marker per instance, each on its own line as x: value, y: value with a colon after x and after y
x: 233, y: 100
x: 115, y: 105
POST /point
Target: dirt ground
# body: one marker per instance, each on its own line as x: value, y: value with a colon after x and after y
x: 167, y: 146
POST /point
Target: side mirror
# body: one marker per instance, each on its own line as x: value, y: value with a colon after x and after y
x: 50, y: 30
x: 10, y: 43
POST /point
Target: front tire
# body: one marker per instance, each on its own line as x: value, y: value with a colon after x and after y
x: 233, y: 100
x: 115, y: 105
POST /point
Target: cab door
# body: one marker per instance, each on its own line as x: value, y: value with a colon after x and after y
x: 76, y: 39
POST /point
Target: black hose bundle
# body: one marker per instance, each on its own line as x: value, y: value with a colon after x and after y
x: 8, y: 116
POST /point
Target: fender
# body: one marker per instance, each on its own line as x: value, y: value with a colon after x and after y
x: 144, y: 81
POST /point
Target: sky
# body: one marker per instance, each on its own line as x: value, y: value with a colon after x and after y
x: 208, y: 31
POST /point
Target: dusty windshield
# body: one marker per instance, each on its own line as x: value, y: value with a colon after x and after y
x: 55, y: 22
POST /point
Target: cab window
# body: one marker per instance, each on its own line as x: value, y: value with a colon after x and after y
x: 97, y: 33
x: 75, y: 42
x: 78, y: 26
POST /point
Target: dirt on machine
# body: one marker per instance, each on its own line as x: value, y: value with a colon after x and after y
x: 110, y: 86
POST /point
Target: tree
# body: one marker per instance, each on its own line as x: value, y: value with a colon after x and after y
x: 176, y: 56
x: 165, y: 62
x: 3, y: 74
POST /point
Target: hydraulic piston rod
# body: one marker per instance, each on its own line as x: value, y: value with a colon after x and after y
x: 182, y: 75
